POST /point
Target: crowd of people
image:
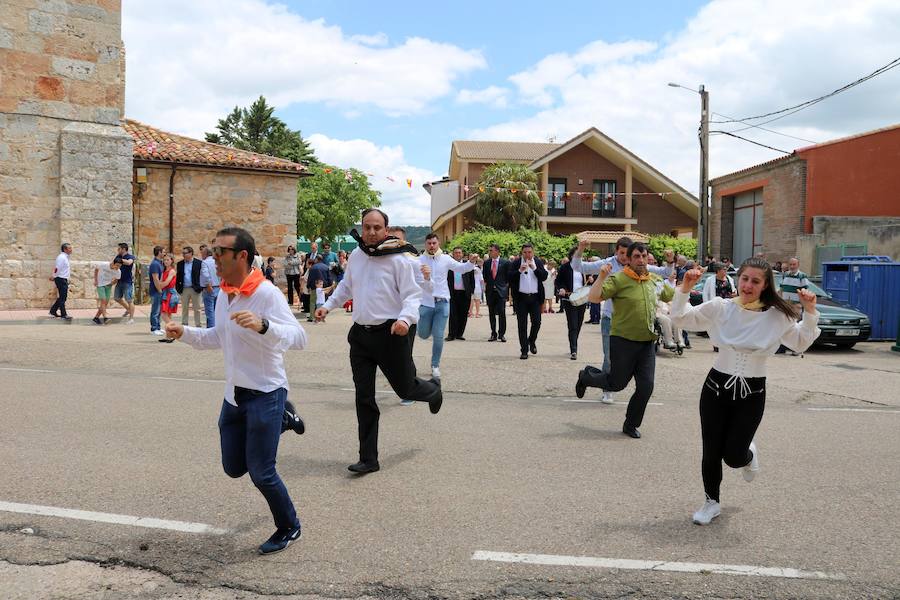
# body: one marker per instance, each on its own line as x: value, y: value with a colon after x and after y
x: 396, y: 294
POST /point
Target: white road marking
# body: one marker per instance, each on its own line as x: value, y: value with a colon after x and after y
x: 650, y: 565
x: 86, y: 515
x: 186, y: 379
x: 376, y: 391
x: 583, y: 401
x: 874, y: 410
x: 26, y: 370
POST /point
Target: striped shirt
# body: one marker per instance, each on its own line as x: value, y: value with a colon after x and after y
x: 791, y: 283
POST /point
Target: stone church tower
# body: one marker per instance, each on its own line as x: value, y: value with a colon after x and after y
x: 65, y: 161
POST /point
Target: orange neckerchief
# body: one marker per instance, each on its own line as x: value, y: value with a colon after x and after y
x: 251, y: 282
x: 629, y: 272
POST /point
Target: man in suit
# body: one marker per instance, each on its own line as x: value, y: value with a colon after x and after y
x: 496, y: 289
x: 526, y: 277
x: 462, y: 286
x: 567, y: 281
x: 187, y: 284
x: 318, y: 272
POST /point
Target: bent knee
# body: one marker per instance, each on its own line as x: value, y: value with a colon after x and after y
x: 234, y: 472
x: 736, y: 461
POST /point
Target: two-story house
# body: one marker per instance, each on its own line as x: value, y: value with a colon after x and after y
x: 590, y: 182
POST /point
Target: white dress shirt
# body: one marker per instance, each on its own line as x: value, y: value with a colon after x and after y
x: 745, y: 338
x: 528, y: 282
x: 252, y: 360
x: 440, y: 265
x: 208, y: 275
x: 382, y: 288
x: 427, y: 285
x: 577, y: 280
x: 62, y: 266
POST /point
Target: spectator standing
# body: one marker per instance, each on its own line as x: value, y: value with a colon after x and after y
x: 304, y: 285
x: 721, y: 285
x: 105, y: 274
x: 209, y: 281
x: 328, y: 257
x: 792, y: 281
x: 60, y: 278
x: 475, y: 308
x: 166, y: 285
x: 155, y: 273
x: 187, y: 283
x: 567, y: 281
x: 496, y: 291
x: 293, y: 269
x: 549, y: 285
x: 124, y: 291
x: 270, y: 269
x: 318, y: 272
x: 462, y: 286
x: 526, y: 277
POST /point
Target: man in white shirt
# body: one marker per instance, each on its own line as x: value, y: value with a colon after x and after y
x: 434, y: 313
x: 254, y: 328
x: 386, y: 297
x: 526, y: 281
x: 209, y: 281
x: 60, y: 277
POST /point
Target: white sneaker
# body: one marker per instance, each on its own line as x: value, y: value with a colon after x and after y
x: 407, y: 402
x: 436, y: 372
x: 749, y: 471
x: 129, y: 322
x: 709, y: 511
x: 157, y: 332
x: 607, y: 398
x: 125, y: 315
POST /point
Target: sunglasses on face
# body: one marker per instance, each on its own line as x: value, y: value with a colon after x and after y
x: 220, y: 250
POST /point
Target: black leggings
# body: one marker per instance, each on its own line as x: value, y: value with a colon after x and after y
x: 728, y: 423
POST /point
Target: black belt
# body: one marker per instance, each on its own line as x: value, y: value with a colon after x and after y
x: 387, y: 323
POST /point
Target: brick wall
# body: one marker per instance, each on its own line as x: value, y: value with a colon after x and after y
x: 783, y: 183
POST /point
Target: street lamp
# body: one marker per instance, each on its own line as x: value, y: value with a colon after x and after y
x: 703, y: 210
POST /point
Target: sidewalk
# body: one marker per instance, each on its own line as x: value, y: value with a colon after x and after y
x: 79, y: 316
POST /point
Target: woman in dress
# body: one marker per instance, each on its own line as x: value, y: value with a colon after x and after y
x: 747, y: 329
x: 475, y: 305
x: 549, y: 284
x: 167, y: 287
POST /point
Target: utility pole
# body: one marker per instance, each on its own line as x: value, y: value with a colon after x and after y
x: 703, y: 212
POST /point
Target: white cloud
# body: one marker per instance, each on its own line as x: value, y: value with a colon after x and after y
x: 494, y: 96
x: 188, y: 63
x: 405, y: 205
x: 753, y: 57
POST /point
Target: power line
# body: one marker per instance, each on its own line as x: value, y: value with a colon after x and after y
x: 797, y: 107
x: 728, y: 133
x: 762, y: 128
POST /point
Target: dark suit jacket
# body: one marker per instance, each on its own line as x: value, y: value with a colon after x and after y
x: 468, y: 280
x: 513, y: 276
x: 500, y: 285
x: 564, y: 280
x: 316, y: 272
x: 195, y: 275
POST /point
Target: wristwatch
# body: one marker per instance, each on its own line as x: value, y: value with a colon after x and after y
x: 265, y: 327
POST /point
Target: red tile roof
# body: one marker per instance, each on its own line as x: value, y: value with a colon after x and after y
x: 157, y: 145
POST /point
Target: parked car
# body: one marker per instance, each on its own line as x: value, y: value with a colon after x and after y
x: 841, y: 325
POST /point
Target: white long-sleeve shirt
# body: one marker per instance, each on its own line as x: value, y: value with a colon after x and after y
x: 252, y: 360
x: 439, y: 265
x: 745, y: 338
x: 61, y: 269
x: 427, y: 285
x: 382, y: 288
x: 593, y: 268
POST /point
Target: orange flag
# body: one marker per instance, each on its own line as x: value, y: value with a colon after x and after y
x: 409, y: 183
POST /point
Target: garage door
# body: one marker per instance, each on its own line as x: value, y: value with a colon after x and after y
x: 748, y: 225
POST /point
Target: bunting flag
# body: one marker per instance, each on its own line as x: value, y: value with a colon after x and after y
x: 391, y: 179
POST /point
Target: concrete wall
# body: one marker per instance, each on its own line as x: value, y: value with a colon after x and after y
x: 64, y: 160
x: 881, y: 234
x: 207, y: 200
x: 444, y: 196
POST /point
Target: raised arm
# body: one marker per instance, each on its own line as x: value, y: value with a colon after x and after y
x: 800, y: 336
x: 693, y: 318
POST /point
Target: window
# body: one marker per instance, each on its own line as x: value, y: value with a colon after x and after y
x: 556, y: 197
x: 604, y: 199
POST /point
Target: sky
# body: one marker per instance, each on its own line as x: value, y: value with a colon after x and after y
x: 386, y: 87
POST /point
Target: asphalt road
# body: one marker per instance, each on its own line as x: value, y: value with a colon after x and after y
x: 107, y: 419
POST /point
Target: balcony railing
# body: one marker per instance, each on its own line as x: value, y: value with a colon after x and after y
x: 584, y: 206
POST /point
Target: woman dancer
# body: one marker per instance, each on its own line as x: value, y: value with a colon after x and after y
x: 746, y: 329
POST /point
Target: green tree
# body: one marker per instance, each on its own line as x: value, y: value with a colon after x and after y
x: 685, y: 246
x: 507, y: 197
x: 330, y: 202
x: 257, y: 129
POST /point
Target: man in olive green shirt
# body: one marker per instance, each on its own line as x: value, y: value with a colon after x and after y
x: 631, y: 341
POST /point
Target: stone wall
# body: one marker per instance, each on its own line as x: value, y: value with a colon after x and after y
x: 880, y: 234
x: 64, y: 160
x: 206, y: 200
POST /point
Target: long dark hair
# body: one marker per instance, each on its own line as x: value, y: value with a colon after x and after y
x: 769, y: 296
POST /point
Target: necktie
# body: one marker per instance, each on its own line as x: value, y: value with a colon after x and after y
x: 494, y: 269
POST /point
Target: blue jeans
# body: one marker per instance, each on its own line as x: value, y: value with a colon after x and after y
x: 432, y: 323
x: 249, y: 434
x: 155, y: 304
x: 209, y: 306
x: 605, y: 328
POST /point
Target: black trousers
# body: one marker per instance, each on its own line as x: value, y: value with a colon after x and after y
x: 293, y: 283
x: 496, y: 311
x: 574, y: 321
x: 529, y: 305
x: 728, y: 424
x: 627, y: 359
x: 62, y: 287
x: 375, y: 347
x: 459, y: 313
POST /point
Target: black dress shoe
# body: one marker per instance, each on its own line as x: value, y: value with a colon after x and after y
x: 502, y: 339
x: 533, y: 347
x: 449, y: 338
x: 461, y: 339
x: 435, y: 402
x: 580, y: 387
x: 524, y: 356
x: 363, y: 467
x: 493, y: 337
x: 631, y: 431
x: 574, y: 356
